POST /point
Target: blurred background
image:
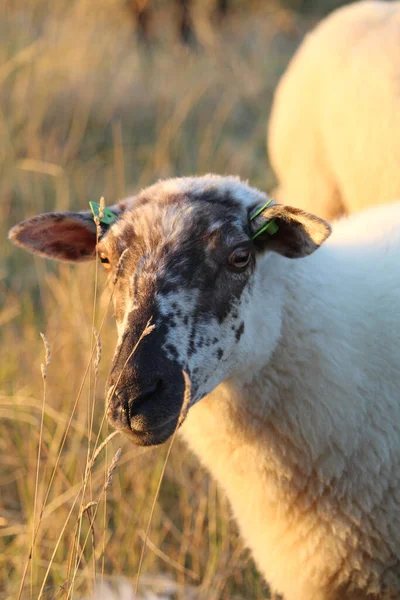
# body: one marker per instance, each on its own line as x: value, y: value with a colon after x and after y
x: 100, y: 99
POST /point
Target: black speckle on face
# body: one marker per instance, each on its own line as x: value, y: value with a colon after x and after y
x: 239, y: 331
x: 192, y: 347
x: 172, y: 350
x: 169, y: 320
x: 185, y: 320
x: 220, y: 353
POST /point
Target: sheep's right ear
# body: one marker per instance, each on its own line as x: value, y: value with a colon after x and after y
x: 68, y: 236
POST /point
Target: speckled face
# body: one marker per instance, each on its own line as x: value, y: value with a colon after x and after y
x: 187, y: 266
x: 181, y: 261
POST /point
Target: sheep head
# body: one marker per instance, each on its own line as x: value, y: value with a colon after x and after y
x: 181, y: 255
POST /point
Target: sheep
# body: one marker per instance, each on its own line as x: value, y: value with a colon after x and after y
x: 339, y: 101
x: 291, y: 343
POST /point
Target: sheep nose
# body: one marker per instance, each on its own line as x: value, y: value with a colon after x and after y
x: 140, y: 406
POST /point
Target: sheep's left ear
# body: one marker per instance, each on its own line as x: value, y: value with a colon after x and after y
x: 293, y: 232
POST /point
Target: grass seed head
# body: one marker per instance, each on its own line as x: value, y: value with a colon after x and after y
x: 112, y: 468
x: 101, y: 207
x: 47, y: 355
x: 98, y: 350
x: 120, y: 265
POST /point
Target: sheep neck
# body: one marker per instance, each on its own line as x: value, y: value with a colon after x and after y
x: 294, y: 436
x: 306, y: 412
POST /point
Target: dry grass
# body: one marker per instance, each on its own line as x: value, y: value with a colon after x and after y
x: 85, y: 113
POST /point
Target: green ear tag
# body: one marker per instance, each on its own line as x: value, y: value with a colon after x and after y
x: 108, y: 217
x: 271, y: 227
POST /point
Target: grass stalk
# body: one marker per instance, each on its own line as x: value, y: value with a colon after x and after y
x: 30, y: 559
x: 181, y: 418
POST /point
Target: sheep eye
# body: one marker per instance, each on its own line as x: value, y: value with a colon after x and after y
x: 240, y: 259
x: 104, y: 260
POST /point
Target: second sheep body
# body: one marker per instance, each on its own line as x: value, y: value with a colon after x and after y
x: 334, y: 133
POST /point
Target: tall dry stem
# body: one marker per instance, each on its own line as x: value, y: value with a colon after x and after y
x: 87, y: 369
x: 43, y: 368
x: 147, y: 330
x: 92, y: 392
x: 182, y: 416
x: 110, y: 473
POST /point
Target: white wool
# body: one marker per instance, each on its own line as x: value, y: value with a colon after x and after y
x: 306, y: 444
x: 334, y: 131
x: 152, y: 587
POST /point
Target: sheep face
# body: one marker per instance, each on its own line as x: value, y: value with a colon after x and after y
x: 182, y: 265
x: 188, y: 270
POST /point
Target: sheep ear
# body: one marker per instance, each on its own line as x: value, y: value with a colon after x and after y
x: 292, y: 232
x: 68, y: 236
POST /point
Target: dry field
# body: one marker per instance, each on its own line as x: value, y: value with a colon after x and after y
x: 85, y: 113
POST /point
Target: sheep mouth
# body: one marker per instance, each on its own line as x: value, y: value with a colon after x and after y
x: 153, y: 435
x: 149, y: 416
x: 142, y: 431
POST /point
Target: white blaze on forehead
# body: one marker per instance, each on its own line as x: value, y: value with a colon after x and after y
x: 170, y: 221
x: 130, y: 306
x: 175, y: 221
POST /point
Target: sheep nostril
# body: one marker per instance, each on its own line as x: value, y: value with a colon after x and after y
x: 141, y: 399
x: 136, y: 404
x: 123, y: 398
